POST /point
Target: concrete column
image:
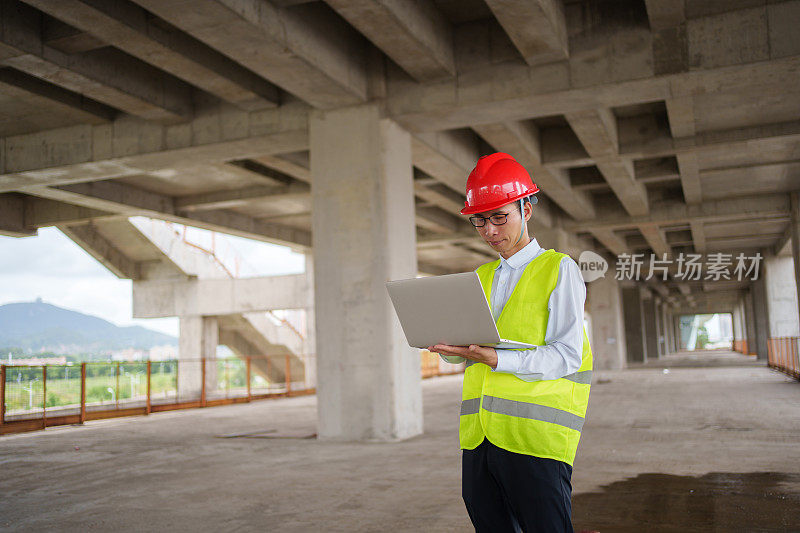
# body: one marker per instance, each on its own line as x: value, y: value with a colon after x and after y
x: 658, y: 323
x: 604, y: 302
x: 676, y: 329
x: 663, y: 348
x: 749, y: 322
x: 738, y: 323
x: 310, y: 356
x: 761, y: 314
x: 669, y: 331
x: 363, y: 225
x: 650, y: 327
x: 199, y: 337
x: 779, y: 278
x: 795, y: 222
x: 634, y: 325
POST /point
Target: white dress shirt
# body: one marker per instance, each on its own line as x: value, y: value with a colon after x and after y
x: 562, y: 352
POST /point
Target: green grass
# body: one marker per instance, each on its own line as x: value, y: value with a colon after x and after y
x: 61, y: 392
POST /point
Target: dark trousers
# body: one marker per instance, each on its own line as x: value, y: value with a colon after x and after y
x: 507, y: 491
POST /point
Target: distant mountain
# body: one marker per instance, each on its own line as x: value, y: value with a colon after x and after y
x: 40, y: 326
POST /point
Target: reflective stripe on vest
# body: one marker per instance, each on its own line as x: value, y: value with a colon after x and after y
x: 584, y: 377
x: 531, y: 411
x: 471, y: 406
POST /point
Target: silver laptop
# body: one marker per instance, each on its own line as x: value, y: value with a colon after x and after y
x: 449, y: 309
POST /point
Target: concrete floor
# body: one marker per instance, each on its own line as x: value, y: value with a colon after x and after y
x: 711, y: 448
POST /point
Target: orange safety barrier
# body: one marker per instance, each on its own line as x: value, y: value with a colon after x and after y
x: 741, y: 347
x: 784, y: 355
x: 36, y: 397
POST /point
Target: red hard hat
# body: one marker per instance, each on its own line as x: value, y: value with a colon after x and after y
x: 495, y: 181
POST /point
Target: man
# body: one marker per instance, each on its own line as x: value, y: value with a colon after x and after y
x: 522, y: 410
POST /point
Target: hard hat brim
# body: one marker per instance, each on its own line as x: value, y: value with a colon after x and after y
x: 471, y: 210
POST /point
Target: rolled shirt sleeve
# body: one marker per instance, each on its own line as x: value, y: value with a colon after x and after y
x: 562, y: 352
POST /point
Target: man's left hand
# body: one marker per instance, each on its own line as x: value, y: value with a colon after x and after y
x: 479, y: 354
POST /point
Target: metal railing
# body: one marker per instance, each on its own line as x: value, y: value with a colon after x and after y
x: 36, y: 397
x: 783, y: 355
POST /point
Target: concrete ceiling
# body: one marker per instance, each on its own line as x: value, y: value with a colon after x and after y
x: 651, y: 126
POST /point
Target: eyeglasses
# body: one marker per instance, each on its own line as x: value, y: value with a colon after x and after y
x: 498, y: 219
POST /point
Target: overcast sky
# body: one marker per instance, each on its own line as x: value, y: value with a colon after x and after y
x: 52, y: 267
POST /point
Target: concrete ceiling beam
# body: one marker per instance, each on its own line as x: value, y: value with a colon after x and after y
x: 561, y: 149
x: 658, y: 286
x: 131, y: 201
x: 729, y: 139
x: 444, y: 240
x: 479, y: 251
x: 561, y: 240
x: 87, y: 237
x: 544, y: 215
x: 241, y: 171
x: 164, y: 298
x: 130, y: 146
x: 713, y: 289
x: 527, y: 92
x: 12, y: 216
x: 767, y: 205
x: 713, y: 299
x: 68, y: 39
x: 303, y: 50
x: 784, y: 244
x: 648, y: 147
x: 105, y: 75
x: 440, y: 195
x: 416, y: 35
x: 597, y: 131
x: 226, y: 221
x: 110, y: 195
x: 438, y: 220
x: 537, y: 28
x: 523, y: 142
x: 42, y: 212
x: 698, y: 236
x: 613, y: 242
x: 228, y: 198
x: 680, y: 113
x: 289, y: 3
x: 446, y: 156
x: 131, y: 29
x: 18, y: 84
x: 290, y: 168
x: 656, y: 170
x: 664, y: 14
x: 655, y: 239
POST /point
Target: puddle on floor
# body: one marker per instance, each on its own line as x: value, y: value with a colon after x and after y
x: 719, y: 501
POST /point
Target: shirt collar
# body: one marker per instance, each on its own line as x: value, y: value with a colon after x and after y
x: 522, y: 257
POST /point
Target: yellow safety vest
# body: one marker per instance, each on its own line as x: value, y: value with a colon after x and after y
x: 540, y: 418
